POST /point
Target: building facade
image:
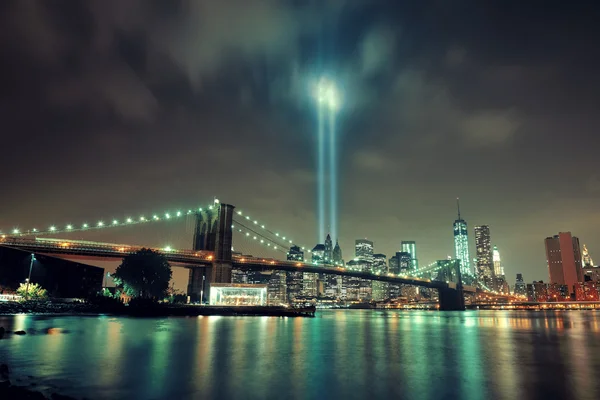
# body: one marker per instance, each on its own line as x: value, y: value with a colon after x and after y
x: 410, y: 247
x: 483, y: 249
x: 520, y: 287
x: 294, y: 280
x: 461, y: 244
x: 563, y: 255
x: 498, y: 268
x: 380, y: 290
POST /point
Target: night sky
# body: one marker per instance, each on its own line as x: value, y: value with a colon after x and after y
x: 111, y: 107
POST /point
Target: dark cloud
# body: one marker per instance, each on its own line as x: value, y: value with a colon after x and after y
x: 111, y: 107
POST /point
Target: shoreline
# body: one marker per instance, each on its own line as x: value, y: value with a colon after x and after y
x: 155, y: 310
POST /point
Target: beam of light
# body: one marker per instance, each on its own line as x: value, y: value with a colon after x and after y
x: 333, y: 178
x: 321, y: 173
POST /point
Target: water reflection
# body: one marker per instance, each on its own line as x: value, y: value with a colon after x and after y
x: 340, y: 354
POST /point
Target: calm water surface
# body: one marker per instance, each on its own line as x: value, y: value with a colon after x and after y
x: 345, y: 354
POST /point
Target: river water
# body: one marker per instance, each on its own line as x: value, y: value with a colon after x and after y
x: 340, y: 354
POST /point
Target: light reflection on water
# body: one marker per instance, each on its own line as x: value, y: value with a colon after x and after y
x: 349, y: 354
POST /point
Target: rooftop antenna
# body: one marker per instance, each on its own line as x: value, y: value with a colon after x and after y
x: 458, y: 206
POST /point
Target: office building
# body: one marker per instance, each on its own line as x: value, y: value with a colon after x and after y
x: 328, y: 250
x: 364, y: 249
x: 591, y: 274
x: 380, y: 289
x: 483, y: 248
x: 363, y: 285
x: 277, y: 288
x: 461, y: 243
x: 294, y: 280
x: 498, y: 268
x: 520, y: 287
x: 587, y: 291
x: 410, y: 247
x: 586, y: 258
x: 537, y: 292
x: 564, y: 260
x: 337, y: 254
x: 400, y: 264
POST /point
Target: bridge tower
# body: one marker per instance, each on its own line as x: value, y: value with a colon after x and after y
x: 212, y: 233
x: 452, y: 298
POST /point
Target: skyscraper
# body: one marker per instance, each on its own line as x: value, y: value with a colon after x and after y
x: 410, y: 247
x: 483, y: 248
x: 564, y: 260
x: 294, y: 280
x: 337, y: 254
x: 586, y: 258
x: 364, y: 249
x: 461, y: 243
x: 520, y: 287
x: 498, y: 268
x: 328, y: 253
x: 380, y: 289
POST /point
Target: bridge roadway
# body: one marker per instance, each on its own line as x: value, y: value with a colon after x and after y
x: 77, y: 249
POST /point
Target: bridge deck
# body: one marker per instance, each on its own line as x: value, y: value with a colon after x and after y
x: 201, y: 259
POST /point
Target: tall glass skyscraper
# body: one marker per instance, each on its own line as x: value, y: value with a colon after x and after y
x: 294, y: 280
x: 410, y: 247
x: 483, y: 247
x: 461, y: 244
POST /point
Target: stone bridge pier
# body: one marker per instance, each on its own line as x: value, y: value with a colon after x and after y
x: 213, y: 233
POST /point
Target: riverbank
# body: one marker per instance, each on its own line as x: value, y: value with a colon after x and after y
x: 153, y: 310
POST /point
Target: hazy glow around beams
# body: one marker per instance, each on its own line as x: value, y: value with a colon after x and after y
x: 327, y: 94
x: 333, y: 178
x: 321, y: 172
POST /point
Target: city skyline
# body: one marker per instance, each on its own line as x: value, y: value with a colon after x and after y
x: 171, y: 107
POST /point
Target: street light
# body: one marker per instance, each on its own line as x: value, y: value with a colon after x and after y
x: 29, y: 278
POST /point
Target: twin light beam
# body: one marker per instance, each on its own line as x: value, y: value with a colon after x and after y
x: 328, y: 104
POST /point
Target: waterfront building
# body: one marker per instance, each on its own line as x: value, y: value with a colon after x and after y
x: 237, y: 294
x: 461, y: 243
x: 564, y: 259
x: 277, y: 288
x: 587, y: 291
x: 380, y: 289
x: 557, y: 292
x: 294, y: 280
x: 483, y: 248
x: 358, y: 289
x: 537, y: 292
x: 520, y: 287
x: 410, y: 247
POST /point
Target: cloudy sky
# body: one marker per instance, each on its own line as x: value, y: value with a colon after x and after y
x: 114, y: 107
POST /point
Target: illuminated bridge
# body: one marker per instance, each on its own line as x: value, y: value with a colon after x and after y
x: 211, y: 260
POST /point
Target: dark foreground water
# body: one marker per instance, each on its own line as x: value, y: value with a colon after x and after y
x: 346, y: 354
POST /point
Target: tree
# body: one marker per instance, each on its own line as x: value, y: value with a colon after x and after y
x: 145, y: 273
x: 34, y: 291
